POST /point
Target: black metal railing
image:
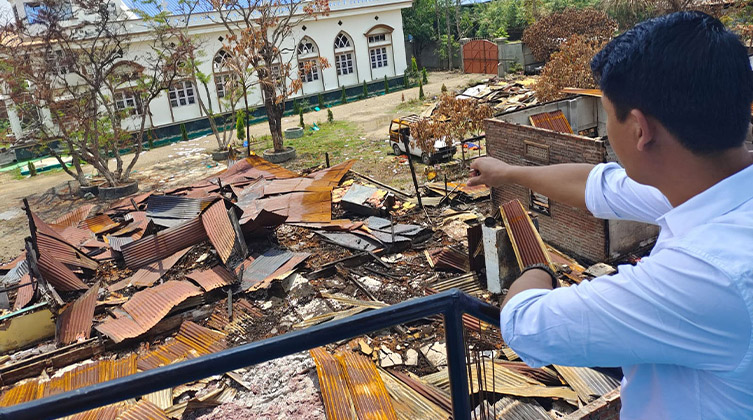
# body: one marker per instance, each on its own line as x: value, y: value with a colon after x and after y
x: 452, y: 304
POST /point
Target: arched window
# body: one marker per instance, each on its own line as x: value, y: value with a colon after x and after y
x: 307, y: 47
x: 380, y: 40
x: 220, y: 62
x: 224, y: 79
x: 343, y: 54
x: 126, y: 71
x: 308, y: 60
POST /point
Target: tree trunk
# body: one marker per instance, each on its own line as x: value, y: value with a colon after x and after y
x: 248, y: 132
x: 274, y: 116
x: 221, y: 145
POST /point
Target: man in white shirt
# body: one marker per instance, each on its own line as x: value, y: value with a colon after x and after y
x: 677, y: 92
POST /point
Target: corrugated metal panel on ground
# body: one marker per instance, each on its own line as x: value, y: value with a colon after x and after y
x: 439, y: 397
x: 526, y: 241
x: 253, y: 167
x: 146, y: 308
x: 74, y: 217
x: 297, y: 207
x: 332, y: 176
x: 75, y: 323
x: 284, y: 186
x: 108, y: 412
x: 555, y: 121
x: 588, y: 383
x: 21, y: 393
x: 225, y: 237
x: 162, y: 399
x: 143, y: 410
x: 163, y: 244
x: 64, y: 252
x: 468, y: 283
x: 25, y: 292
x: 409, y: 404
x: 74, y: 235
x: 12, y: 264
x: 263, y: 266
x: 100, y: 224
x: 147, y: 276
x: 337, y: 399
x: 586, y: 92
x: 447, y: 259
x: 213, y: 278
x: 174, y: 207
x: 472, y: 193
x: 191, y: 341
x: 370, y: 397
x: 517, y: 409
x: 56, y: 274
x: 117, y: 242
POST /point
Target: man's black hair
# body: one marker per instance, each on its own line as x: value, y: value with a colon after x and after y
x: 686, y: 70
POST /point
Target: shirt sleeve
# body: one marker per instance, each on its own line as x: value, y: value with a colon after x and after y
x: 611, y: 194
x: 671, y: 308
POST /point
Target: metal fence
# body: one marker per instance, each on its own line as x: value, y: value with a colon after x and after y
x: 452, y: 304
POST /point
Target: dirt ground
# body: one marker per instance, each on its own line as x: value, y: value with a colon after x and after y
x: 185, y: 162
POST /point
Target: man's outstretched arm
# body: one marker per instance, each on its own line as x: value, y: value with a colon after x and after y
x: 565, y: 183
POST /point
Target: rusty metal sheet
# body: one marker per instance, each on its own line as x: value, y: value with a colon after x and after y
x: 146, y: 308
x: 472, y: 193
x: 332, y: 176
x: 468, y: 283
x: 12, y: 264
x: 191, y: 341
x: 138, y: 225
x: 75, y: 323
x: 585, y: 92
x: 160, y: 207
x: 74, y: 235
x: 100, y: 224
x: 213, y: 278
x: 555, y: 121
x: 108, y: 412
x: 90, y: 374
x: 25, y: 292
x: 64, y: 252
x: 143, y: 410
x: 435, y: 395
x: 126, y: 202
x: 447, y: 259
x: 333, y: 386
x: 297, y: 207
x: 74, y: 217
x: 588, y: 383
x: 410, y: 404
x: 224, y: 232
x: 284, y: 186
x: 117, y: 242
x: 253, y: 167
x: 58, y: 275
x: 263, y: 266
x: 508, y: 408
x: 147, y: 276
x: 351, y: 240
x: 526, y: 241
x: 370, y: 397
x: 25, y: 392
x: 163, y: 244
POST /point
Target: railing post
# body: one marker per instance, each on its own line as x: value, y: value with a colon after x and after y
x: 456, y: 362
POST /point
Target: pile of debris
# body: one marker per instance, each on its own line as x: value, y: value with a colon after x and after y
x: 503, y: 95
x: 254, y: 252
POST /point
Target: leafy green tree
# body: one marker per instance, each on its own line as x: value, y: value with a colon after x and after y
x: 424, y: 77
x: 418, y: 24
x: 501, y: 19
x: 240, y: 126
x: 344, y: 97
x: 365, y: 93
x: 183, y: 132
x: 545, y: 36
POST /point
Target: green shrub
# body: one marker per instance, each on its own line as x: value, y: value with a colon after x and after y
x: 421, y: 90
x: 386, y: 85
x: 444, y: 88
x: 240, y: 126
x: 406, y: 82
x: 330, y: 117
x: 365, y: 93
x: 424, y: 77
x: 300, y: 114
x: 32, y: 169
x: 183, y: 132
x: 344, y: 98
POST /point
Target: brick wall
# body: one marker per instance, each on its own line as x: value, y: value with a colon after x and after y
x: 605, y: 408
x: 568, y: 228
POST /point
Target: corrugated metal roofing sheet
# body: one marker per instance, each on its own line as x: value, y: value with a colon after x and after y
x: 108, y: 412
x: 117, y: 242
x: 146, y: 308
x: 226, y: 237
x: 147, y: 276
x: 21, y: 393
x: 163, y: 244
x: 253, y: 167
x: 143, y: 410
x: 74, y: 217
x: 74, y: 235
x: 526, y: 241
x: 75, y: 323
x: 100, y: 224
x: 332, y: 176
x: 517, y: 409
x: 555, y: 121
x: 468, y: 283
x: 25, y: 293
x: 588, y: 383
x: 56, y: 274
x: 191, y: 341
x: 263, y: 266
x: 448, y: 259
x: 160, y: 207
x: 408, y: 403
x: 586, y: 92
x: 370, y: 397
x: 213, y: 278
x: 64, y: 252
x: 298, y: 207
x: 335, y: 395
x: 12, y: 264
x: 351, y: 240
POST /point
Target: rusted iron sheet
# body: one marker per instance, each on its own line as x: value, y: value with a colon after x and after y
x: 117, y: 242
x: 126, y: 202
x: 25, y: 392
x: 586, y: 92
x: 74, y: 217
x: 74, y: 235
x: 447, y: 259
x: 342, y: 225
x: 242, y: 312
x: 332, y: 176
x: 224, y: 232
x: 146, y: 308
x: 333, y: 386
x: 555, y: 121
x: 588, y: 383
x: 167, y: 210
x: 191, y: 341
x: 75, y: 323
x: 284, y: 186
x: 100, y: 224
x: 11, y: 265
x: 370, y: 397
x: 410, y: 404
x: 544, y: 375
x: 64, y: 252
x: 213, y: 278
x: 147, y: 276
x: 468, y: 283
x: 297, y: 207
x: 263, y: 266
x: 508, y: 408
x: 25, y: 292
x: 138, y: 225
x: 526, y: 241
x: 108, y: 412
x: 434, y: 395
x: 253, y: 167
x: 58, y: 275
x: 352, y: 240
x: 163, y: 244
x: 472, y: 193
x: 143, y: 410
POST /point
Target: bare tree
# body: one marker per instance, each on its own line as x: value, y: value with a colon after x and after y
x: 261, y: 33
x: 81, y: 69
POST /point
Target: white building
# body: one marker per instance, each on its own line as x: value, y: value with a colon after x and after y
x: 361, y: 39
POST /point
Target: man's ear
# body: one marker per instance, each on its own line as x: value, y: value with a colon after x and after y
x: 643, y: 129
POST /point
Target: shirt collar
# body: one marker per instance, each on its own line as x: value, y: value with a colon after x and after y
x: 720, y: 199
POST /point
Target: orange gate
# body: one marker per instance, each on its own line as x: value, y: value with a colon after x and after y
x: 480, y: 56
